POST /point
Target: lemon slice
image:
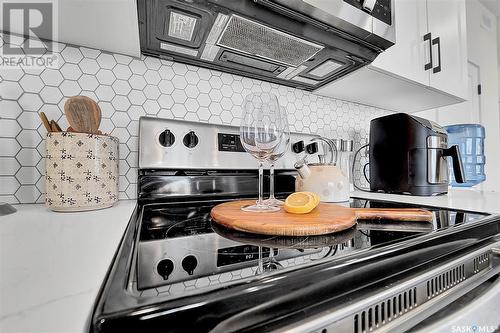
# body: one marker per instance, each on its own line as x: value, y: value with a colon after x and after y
x: 316, y: 197
x: 301, y: 202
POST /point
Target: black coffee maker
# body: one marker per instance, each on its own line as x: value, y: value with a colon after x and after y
x: 409, y: 155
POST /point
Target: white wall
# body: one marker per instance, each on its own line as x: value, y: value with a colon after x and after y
x: 482, y: 51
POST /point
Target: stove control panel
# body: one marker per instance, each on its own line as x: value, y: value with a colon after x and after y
x: 176, y: 144
x: 167, y: 261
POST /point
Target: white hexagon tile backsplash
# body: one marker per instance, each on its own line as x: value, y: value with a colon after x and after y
x: 127, y: 88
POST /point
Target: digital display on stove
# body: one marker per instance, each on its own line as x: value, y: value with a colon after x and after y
x: 237, y: 254
x: 230, y: 142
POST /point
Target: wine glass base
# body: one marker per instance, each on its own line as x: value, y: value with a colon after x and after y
x: 260, y: 208
x: 274, y: 202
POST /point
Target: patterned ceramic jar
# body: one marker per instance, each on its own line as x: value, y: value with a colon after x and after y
x: 81, y: 171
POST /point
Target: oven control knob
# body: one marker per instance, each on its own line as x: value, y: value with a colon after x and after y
x: 165, y: 268
x: 167, y: 138
x: 190, y: 140
x: 298, y: 147
x: 189, y: 263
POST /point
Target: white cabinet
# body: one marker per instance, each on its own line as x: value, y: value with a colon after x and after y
x: 410, y: 54
x: 426, y: 68
x: 110, y: 25
x: 447, y: 24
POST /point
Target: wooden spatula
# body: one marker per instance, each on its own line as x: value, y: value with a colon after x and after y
x: 83, y: 114
x: 324, y: 219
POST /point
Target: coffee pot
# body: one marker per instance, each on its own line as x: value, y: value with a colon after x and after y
x: 324, y: 178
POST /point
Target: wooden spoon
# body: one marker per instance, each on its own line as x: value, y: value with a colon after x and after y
x: 83, y: 114
x: 45, y: 121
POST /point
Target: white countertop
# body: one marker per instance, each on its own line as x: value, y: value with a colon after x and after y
x: 457, y: 198
x: 52, y: 265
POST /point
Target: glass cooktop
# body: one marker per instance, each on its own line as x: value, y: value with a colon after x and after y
x: 181, y: 250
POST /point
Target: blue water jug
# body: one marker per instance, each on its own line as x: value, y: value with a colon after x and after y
x: 470, y: 140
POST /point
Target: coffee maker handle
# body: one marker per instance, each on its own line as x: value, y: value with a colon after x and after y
x: 458, y: 168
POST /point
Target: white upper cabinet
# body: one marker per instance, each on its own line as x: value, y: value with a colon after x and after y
x: 447, y: 24
x: 426, y: 68
x: 410, y: 54
x: 109, y: 25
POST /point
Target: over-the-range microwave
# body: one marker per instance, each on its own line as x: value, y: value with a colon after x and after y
x: 300, y: 43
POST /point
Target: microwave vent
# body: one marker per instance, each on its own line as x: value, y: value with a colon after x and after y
x: 259, y: 40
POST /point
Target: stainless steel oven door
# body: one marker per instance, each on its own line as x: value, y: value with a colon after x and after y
x: 464, y: 291
x: 476, y: 311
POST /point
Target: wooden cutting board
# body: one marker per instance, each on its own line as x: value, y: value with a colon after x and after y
x: 324, y: 219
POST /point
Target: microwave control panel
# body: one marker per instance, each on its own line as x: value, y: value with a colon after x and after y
x: 379, y: 9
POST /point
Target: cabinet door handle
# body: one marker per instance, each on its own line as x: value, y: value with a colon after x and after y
x: 428, y: 37
x: 437, y: 41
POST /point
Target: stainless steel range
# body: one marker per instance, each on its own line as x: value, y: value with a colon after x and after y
x: 178, y: 271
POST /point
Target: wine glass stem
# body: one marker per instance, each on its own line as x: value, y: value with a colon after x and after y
x: 261, y: 183
x: 260, y: 265
x: 271, y: 180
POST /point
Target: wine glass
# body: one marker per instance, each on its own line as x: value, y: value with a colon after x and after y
x: 278, y: 153
x: 261, y: 131
x: 268, y: 265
